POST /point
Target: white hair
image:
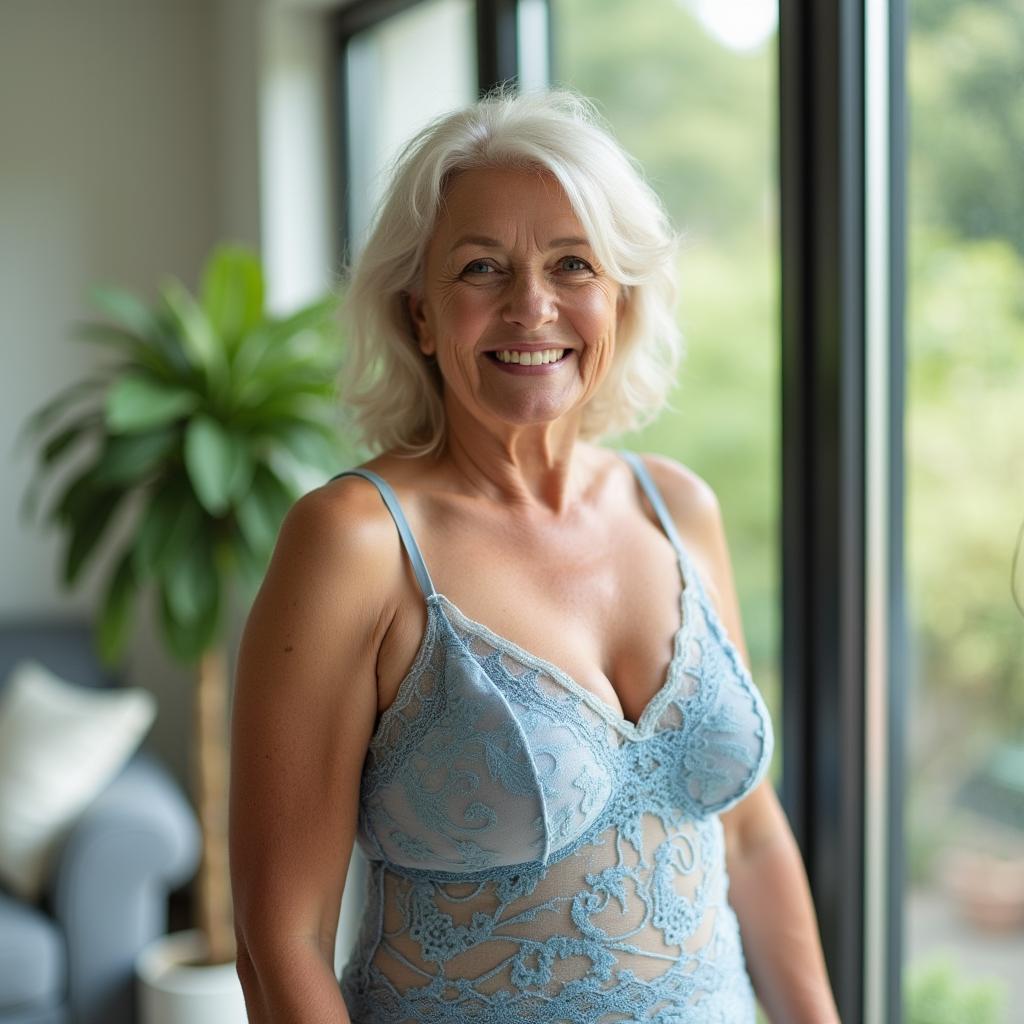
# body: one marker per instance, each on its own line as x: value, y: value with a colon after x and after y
x: 392, y: 393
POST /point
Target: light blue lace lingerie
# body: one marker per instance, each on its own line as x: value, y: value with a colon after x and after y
x: 536, y: 857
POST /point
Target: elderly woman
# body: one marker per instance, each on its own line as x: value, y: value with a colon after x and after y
x: 506, y: 661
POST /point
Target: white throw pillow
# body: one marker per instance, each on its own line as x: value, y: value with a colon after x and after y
x: 60, y: 745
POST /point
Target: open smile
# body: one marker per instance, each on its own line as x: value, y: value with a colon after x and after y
x: 525, y: 361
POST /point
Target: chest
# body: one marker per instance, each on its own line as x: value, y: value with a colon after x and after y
x: 492, y: 757
x: 599, y: 596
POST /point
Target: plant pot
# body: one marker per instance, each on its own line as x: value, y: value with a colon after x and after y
x: 173, y: 989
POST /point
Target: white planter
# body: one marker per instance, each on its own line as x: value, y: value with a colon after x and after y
x: 173, y: 990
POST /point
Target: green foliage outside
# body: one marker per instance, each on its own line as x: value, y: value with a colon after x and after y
x: 936, y: 992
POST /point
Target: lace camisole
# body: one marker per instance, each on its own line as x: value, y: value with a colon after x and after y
x: 536, y: 857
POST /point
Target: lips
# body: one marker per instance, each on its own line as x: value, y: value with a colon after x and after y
x: 533, y: 347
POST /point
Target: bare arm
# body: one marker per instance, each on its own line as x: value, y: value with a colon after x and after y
x: 768, y: 885
x: 768, y: 890
x: 304, y: 710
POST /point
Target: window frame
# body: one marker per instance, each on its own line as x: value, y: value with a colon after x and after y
x: 828, y: 543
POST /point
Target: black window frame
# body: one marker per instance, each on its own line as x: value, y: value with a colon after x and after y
x: 822, y: 90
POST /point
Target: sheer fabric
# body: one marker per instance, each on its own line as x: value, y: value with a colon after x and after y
x: 536, y: 857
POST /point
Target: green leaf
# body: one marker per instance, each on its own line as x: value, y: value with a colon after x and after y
x: 124, y: 307
x: 171, y: 524
x: 242, y: 469
x: 75, y: 498
x: 190, y: 583
x: 284, y: 375
x: 146, y: 352
x: 138, y: 403
x: 251, y: 566
x: 315, y: 315
x: 190, y: 603
x: 59, y: 443
x: 261, y: 513
x: 276, y: 405
x: 211, y: 454
x: 87, y: 530
x: 127, y: 458
x: 116, y: 612
x: 188, y: 638
x: 277, y: 343
x: 41, y: 419
x: 232, y: 293
x: 53, y: 448
x: 201, y: 343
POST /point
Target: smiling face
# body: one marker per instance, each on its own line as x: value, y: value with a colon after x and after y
x: 513, y: 303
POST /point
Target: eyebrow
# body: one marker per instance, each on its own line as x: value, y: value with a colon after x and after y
x: 494, y: 243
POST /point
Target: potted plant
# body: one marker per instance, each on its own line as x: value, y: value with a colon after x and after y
x: 198, y: 424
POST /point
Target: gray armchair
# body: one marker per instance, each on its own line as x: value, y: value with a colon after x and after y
x: 69, y: 959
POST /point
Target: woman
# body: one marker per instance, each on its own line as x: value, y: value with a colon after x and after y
x: 529, y: 703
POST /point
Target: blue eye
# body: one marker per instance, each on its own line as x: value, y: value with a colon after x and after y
x: 580, y: 264
x: 478, y: 267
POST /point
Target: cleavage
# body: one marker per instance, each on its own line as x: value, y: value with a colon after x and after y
x: 635, y: 622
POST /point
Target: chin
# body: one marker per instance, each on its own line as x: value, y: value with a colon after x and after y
x: 538, y: 417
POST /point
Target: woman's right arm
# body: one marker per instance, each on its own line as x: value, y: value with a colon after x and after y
x: 304, y: 708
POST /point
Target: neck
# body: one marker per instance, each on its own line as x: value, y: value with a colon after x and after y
x: 537, y: 467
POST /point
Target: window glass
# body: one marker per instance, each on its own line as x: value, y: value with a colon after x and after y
x: 399, y: 74
x: 964, y: 801
x: 690, y: 90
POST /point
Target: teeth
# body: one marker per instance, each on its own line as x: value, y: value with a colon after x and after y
x: 548, y: 355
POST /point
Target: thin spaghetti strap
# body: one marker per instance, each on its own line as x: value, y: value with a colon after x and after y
x: 656, y: 500
x: 408, y: 540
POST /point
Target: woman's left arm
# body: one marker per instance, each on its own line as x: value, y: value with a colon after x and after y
x: 768, y: 886
x: 768, y: 890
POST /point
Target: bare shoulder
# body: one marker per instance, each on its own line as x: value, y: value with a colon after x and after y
x: 316, y: 625
x: 353, y: 520
x: 690, y: 498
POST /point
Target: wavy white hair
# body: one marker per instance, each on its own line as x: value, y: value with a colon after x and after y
x: 392, y: 394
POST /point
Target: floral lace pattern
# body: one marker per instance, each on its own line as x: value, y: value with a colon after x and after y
x: 536, y: 857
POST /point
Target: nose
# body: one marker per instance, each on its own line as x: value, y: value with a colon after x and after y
x: 530, y: 301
